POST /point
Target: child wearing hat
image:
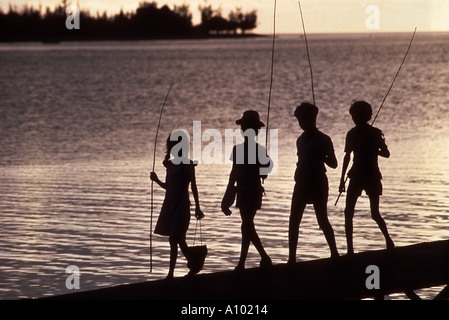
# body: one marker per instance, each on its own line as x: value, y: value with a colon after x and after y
x: 250, y: 165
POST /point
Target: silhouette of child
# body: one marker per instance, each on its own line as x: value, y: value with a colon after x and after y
x: 367, y: 143
x: 174, y: 217
x: 247, y: 171
x: 315, y: 149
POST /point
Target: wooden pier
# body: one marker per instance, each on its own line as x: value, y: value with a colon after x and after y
x: 403, y: 269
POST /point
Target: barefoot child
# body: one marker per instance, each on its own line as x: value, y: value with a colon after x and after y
x: 315, y: 150
x: 366, y: 143
x: 174, y: 218
x: 248, y: 171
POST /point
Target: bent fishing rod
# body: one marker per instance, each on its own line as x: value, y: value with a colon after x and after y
x: 152, y: 182
x: 307, y: 50
x: 271, y: 80
x: 388, y: 92
x: 271, y: 75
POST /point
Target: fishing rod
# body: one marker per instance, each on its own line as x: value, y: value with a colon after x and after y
x: 388, y: 92
x: 307, y: 50
x: 397, y: 73
x: 271, y: 76
x: 152, y: 182
x: 271, y: 80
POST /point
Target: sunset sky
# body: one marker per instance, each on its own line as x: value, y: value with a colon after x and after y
x: 321, y: 16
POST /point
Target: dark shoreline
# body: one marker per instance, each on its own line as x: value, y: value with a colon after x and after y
x: 228, y: 36
x: 152, y: 38
x: 403, y: 269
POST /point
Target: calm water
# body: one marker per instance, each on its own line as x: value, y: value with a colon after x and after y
x: 77, y: 123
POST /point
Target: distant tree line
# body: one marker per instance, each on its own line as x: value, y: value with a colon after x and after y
x: 212, y: 20
x: 147, y: 21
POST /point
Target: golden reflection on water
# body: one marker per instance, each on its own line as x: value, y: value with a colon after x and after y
x: 97, y: 217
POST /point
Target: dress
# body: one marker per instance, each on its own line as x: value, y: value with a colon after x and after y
x: 174, y: 218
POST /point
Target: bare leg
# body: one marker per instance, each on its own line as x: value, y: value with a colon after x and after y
x: 375, y: 214
x: 173, y: 257
x: 323, y: 222
x: 184, y: 247
x: 249, y: 235
x: 244, y: 247
x: 351, y: 200
x: 296, y: 213
x: 174, y: 242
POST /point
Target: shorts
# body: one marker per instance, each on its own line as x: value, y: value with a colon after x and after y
x: 371, y: 187
x: 312, y: 191
x: 249, y: 197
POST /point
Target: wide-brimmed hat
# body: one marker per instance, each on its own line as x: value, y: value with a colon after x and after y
x: 251, y: 118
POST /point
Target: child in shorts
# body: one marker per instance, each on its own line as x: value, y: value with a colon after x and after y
x: 315, y: 150
x: 366, y: 143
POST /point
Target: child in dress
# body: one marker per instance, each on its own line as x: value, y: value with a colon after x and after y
x: 174, y: 218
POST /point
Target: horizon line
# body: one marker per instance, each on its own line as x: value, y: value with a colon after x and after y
x: 368, y: 33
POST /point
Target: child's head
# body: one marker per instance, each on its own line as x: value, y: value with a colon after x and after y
x: 177, y: 144
x: 360, y: 111
x: 306, y: 114
x: 171, y: 143
x: 250, y: 120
